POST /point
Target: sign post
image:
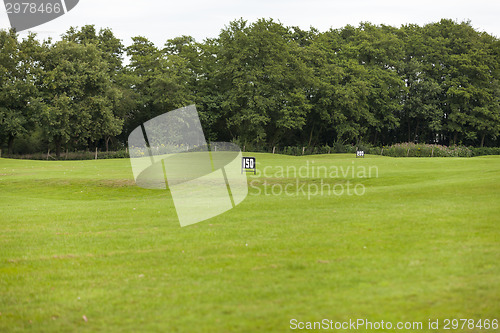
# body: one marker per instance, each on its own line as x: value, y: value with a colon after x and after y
x: 248, y: 165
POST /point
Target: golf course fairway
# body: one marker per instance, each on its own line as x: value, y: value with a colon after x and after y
x: 83, y: 249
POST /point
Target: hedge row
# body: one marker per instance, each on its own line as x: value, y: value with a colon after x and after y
x: 396, y: 150
x: 71, y: 156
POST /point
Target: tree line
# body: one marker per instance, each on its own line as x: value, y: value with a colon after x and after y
x: 258, y: 84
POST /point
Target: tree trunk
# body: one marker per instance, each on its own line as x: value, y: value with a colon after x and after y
x: 409, y: 130
x: 11, y: 143
x: 58, y: 147
x: 416, y: 132
x: 482, y: 140
x: 107, y: 143
x: 311, y: 135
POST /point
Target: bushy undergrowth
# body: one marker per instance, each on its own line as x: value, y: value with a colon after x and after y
x: 485, y: 151
x: 78, y: 155
x: 425, y: 150
x: 396, y: 150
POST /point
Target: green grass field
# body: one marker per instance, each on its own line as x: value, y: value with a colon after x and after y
x: 82, y: 248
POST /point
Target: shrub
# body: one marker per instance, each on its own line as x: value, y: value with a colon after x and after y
x: 425, y: 150
x: 485, y: 151
x: 72, y: 155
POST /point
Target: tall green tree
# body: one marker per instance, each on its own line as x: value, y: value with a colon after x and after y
x: 17, y: 84
x: 160, y: 81
x: 262, y: 77
x: 111, y: 47
x: 76, y: 104
x: 111, y: 51
x: 421, y: 117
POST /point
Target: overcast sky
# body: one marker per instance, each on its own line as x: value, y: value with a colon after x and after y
x: 161, y: 20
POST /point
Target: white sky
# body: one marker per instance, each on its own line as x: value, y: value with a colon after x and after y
x: 161, y: 20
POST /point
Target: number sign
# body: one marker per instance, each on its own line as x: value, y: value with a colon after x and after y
x: 248, y: 164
